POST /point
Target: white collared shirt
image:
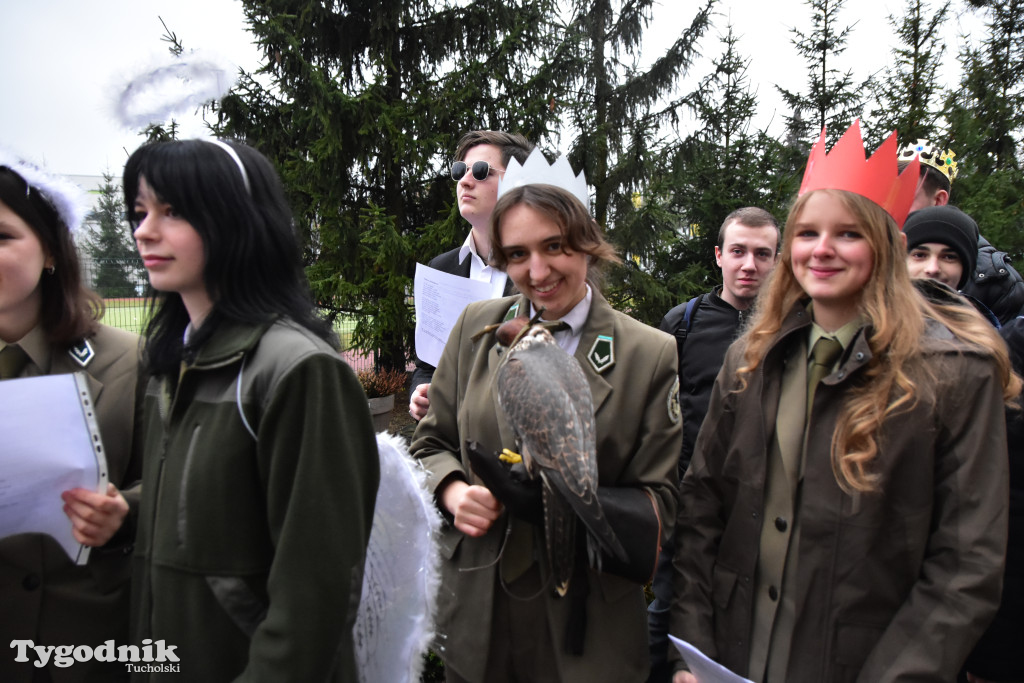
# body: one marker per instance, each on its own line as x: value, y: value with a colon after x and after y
x: 569, y: 340
x: 479, y: 269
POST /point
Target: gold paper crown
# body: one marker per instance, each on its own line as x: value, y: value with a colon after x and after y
x: 929, y: 156
x: 877, y: 178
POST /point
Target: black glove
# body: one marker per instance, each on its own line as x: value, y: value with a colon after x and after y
x: 633, y: 517
x: 510, y: 484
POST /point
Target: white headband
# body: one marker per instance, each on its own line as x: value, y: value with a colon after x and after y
x: 234, y: 156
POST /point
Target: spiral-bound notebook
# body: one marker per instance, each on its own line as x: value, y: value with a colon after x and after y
x: 51, y: 443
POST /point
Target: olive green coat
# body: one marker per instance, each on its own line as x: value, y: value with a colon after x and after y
x: 638, y: 440
x: 251, y: 550
x: 43, y: 595
x: 891, y: 586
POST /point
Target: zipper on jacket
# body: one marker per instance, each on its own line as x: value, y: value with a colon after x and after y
x: 183, y: 490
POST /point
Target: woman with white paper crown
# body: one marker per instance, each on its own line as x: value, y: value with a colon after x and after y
x: 49, y: 325
x: 503, y: 614
x: 844, y: 515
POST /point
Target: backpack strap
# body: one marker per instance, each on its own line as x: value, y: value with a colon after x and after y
x: 687, y: 322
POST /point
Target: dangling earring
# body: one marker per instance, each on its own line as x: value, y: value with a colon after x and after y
x: 50, y: 270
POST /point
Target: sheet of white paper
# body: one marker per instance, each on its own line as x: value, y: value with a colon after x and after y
x: 706, y: 670
x: 50, y: 444
x: 440, y: 298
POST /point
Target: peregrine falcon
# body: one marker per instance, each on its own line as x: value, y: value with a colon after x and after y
x: 545, y: 396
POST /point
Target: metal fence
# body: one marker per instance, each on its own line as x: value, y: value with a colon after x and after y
x: 124, y: 286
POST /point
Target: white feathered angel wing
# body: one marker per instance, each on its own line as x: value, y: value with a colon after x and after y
x: 395, y: 621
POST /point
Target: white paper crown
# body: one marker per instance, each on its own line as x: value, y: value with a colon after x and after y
x: 67, y: 199
x: 537, y: 171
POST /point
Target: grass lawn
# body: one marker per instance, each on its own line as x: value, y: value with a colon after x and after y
x: 128, y: 313
x: 131, y: 314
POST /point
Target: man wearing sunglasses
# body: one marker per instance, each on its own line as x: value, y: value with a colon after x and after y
x: 480, y: 159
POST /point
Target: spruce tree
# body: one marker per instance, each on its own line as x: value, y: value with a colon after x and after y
x: 360, y: 105
x: 108, y: 244
x: 833, y: 98
x: 622, y: 115
x: 986, y: 119
x: 724, y: 165
x: 908, y: 96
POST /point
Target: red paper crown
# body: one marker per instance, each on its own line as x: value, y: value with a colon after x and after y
x: 877, y: 178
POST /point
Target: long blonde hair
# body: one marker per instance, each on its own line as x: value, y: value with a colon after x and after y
x: 896, y: 315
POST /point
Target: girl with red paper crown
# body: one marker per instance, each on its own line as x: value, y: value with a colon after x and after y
x: 844, y: 516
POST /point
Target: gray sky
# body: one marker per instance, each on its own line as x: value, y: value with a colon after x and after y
x: 63, y: 61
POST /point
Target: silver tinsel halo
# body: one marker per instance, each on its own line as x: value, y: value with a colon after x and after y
x: 173, y: 85
x: 68, y: 199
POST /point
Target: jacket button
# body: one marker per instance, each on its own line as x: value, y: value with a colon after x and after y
x: 31, y: 582
x: 773, y: 593
x: 860, y: 355
x: 780, y: 524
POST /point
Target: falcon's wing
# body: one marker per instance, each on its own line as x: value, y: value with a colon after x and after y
x: 548, y: 403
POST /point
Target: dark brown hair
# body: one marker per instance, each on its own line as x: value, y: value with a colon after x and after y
x: 752, y: 217
x: 580, y: 232
x: 69, y: 310
x: 510, y: 144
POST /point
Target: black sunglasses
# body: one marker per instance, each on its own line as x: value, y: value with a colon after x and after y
x: 481, y: 169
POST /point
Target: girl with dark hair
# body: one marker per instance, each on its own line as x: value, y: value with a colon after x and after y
x: 49, y: 325
x: 261, y: 469
x: 503, y: 616
x: 844, y: 515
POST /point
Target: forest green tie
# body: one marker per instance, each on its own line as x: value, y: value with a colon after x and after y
x: 825, y: 352
x: 12, y: 359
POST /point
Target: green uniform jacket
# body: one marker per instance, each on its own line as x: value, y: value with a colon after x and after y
x: 638, y: 440
x: 250, y: 551
x: 892, y: 586
x: 44, y: 597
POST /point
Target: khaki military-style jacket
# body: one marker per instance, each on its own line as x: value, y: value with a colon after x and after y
x: 43, y: 595
x: 638, y: 440
x: 894, y: 585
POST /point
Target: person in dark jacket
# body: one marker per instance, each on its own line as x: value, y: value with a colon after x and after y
x: 481, y: 157
x: 748, y: 242
x: 996, y: 657
x: 993, y: 281
x: 49, y: 325
x: 996, y: 283
x: 941, y: 245
x: 261, y: 466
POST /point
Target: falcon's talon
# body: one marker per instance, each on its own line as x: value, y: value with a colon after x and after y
x: 510, y: 457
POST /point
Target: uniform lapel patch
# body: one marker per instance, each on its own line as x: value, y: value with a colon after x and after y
x: 602, y: 353
x: 82, y: 353
x: 512, y: 312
